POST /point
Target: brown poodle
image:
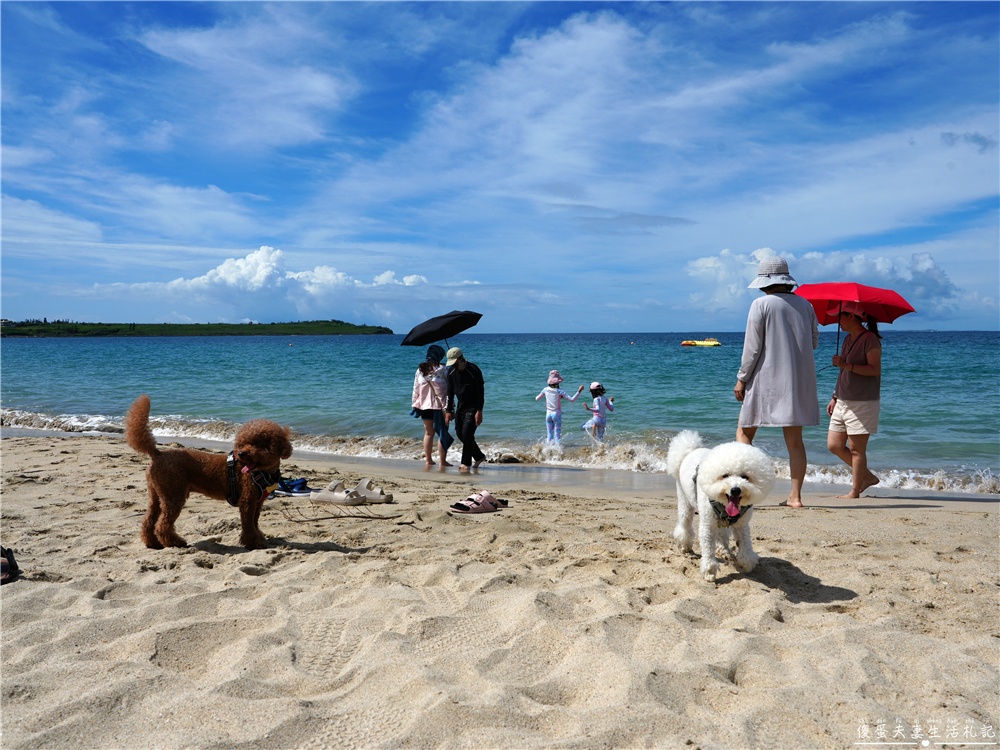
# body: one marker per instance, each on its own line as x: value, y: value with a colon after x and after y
x: 175, y: 474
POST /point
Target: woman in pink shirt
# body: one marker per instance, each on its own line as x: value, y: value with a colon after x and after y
x: 430, y: 394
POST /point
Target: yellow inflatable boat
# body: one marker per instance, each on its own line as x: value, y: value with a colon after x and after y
x: 705, y: 342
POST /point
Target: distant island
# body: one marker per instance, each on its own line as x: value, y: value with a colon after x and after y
x: 69, y: 329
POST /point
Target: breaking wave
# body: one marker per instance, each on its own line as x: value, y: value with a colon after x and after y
x: 622, y: 455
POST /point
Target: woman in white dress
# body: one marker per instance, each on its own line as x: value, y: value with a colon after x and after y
x: 777, y: 379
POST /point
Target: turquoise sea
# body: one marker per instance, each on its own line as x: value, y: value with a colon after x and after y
x: 940, y: 423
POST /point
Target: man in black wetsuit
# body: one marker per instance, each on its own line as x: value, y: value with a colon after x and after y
x: 465, y: 383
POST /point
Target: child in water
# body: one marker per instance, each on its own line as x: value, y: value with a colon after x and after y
x: 553, y: 406
x: 599, y: 419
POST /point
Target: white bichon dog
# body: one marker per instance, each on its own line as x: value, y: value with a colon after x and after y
x: 722, y: 484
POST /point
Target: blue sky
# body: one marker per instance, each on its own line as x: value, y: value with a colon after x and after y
x: 555, y: 166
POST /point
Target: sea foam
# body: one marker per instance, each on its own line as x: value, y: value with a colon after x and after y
x: 617, y: 453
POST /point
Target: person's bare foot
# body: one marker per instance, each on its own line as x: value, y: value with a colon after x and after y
x: 430, y: 463
x: 789, y: 503
x: 464, y: 469
x: 870, y: 481
x: 445, y: 463
x: 478, y: 463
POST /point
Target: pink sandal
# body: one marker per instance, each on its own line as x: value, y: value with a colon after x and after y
x: 478, y: 503
x: 495, y: 502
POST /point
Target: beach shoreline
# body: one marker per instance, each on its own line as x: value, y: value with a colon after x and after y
x: 569, y: 619
x: 580, y: 479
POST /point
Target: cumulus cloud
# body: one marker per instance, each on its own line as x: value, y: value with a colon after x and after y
x: 927, y: 280
x: 389, y: 277
x: 259, y: 286
x: 918, y: 278
x: 259, y: 271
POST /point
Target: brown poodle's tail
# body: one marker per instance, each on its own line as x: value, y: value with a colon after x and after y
x: 137, y: 433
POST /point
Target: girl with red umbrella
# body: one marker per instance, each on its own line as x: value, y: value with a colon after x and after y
x: 854, y: 408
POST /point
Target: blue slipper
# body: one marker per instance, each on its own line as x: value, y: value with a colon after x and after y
x: 8, y: 566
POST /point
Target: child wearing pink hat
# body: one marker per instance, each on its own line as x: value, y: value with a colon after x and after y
x: 553, y: 406
x: 599, y: 418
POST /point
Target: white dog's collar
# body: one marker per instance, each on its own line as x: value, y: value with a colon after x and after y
x: 723, y: 519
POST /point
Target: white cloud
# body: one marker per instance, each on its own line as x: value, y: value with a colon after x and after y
x: 260, y: 270
x: 917, y: 277
x: 15, y: 157
x: 322, y: 279
x: 570, y: 129
x: 205, y: 214
x: 255, y: 79
x: 260, y: 286
x: 854, y: 47
x: 589, y: 160
x: 27, y: 223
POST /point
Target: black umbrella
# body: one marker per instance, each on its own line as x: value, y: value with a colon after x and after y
x: 441, y: 327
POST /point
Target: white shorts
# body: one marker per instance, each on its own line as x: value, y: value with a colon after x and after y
x: 855, y: 417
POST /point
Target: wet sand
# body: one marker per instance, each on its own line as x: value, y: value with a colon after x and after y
x: 569, y: 619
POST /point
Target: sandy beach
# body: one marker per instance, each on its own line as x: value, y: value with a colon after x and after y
x: 569, y: 619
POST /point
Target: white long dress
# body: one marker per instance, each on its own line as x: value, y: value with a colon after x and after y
x: 778, y: 364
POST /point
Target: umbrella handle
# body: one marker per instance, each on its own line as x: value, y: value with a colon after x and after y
x: 837, y: 350
x: 839, y: 310
x: 838, y: 337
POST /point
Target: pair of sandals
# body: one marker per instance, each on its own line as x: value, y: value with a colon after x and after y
x: 337, y: 494
x: 481, y: 502
x: 8, y: 566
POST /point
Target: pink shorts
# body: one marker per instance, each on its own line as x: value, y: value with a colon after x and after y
x: 855, y: 417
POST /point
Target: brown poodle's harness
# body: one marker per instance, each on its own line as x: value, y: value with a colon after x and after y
x: 265, y: 480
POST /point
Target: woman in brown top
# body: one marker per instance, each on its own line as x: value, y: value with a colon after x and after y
x: 854, y: 408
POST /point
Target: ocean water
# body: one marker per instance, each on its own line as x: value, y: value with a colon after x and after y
x: 939, y: 429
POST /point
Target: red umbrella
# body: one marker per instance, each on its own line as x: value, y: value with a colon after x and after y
x: 884, y: 305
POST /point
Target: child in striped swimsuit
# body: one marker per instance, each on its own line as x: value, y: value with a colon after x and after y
x: 553, y: 406
x: 599, y: 420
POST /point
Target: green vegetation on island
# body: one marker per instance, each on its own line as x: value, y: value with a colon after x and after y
x: 65, y: 328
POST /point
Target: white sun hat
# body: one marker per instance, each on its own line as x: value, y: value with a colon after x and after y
x: 771, y: 271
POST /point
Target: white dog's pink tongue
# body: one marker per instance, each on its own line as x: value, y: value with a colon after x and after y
x: 733, y: 509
